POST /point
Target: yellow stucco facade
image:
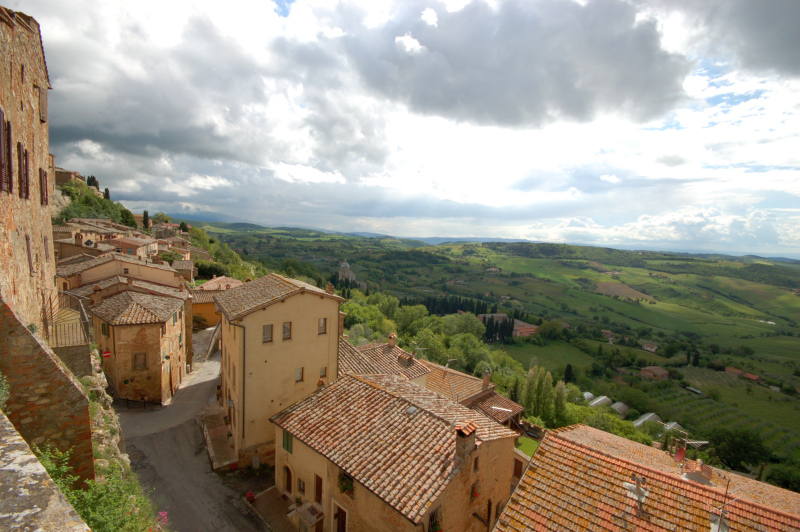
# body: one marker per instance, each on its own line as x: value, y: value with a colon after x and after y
x: 207, y: 312
x: 296, y: 474
x: 261, y: 378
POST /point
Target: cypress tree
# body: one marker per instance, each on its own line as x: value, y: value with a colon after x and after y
x: 569, y: 375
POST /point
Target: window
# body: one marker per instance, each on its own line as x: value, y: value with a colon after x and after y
x: 104, y: 329
x: 435, y: 519
x: 301, y: 486
x: 23, y: 171
x: 180, y: 338
x: 43, y: 187
x: 47, y: 248
x: 475, y: 464
x: 287, y: 330
x: 125, y: 271
x: 175, y: 318
x: 287, y: 441
x: 298, y: 375
x: 322, y: 326
x: 323, y: 371
x: 4, y: 163
x: 43, y: 104
x: 30, y: 253
x: 140, y: 361
x: 266, y: 333
x: 130, y: 251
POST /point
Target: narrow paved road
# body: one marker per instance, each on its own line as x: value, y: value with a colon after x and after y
x: 168, y: 452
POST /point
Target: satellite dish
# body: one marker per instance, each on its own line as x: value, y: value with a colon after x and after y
x: 680, y: 454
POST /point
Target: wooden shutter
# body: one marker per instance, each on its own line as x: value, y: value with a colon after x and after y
x: 42, y: 187
x: 27, y: 176
x: 47, y: 248
x: 9, y: 174
x: 21, y: 169
x: 43, y: 104
x: 46, y: 190
x: 30, y: 255
x: 3, y: 162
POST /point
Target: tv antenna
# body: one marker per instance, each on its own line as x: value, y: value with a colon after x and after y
x: 637, y: 492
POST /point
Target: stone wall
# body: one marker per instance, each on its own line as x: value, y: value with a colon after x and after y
x: 29, y: 499
x: 26, y: 284
x: 77, y: 358
x: 47, y: 402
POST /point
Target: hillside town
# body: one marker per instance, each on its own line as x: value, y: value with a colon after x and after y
x: 110, y: 334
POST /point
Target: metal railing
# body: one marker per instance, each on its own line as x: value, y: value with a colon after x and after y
x: 66, y: 321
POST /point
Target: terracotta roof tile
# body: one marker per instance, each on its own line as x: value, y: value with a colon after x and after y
x: 88, y: 289
x: 134, y: 308
x: 454, y: 384
x: 74, y: 269
x: 183, y: 264
x: 392, y: 436
x: 576, y: 480
x: 204, y: 296
x: 219, y: 283
x: 271, y: 288
x: 494, y: 405
x: 378, y: 359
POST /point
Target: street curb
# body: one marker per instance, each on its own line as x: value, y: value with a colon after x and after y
x: 253, y: 509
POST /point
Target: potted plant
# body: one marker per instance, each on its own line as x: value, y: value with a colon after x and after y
x: 250, y: 497
x: 436, y: 526
x: 346, y: 484
x: 298, y: 501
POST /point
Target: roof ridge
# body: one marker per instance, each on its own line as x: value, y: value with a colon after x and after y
x: 557, y: 434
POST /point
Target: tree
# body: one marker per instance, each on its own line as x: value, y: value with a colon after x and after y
x: 184, y: 227
x: 126, y: 217
x: 160, y: 218
x: 737, y: 447
x: 560, y: 404
x: 529, y: 391
x: 106, y: 194
x: 513, y: 392
x: 569, y: 375
x: 145, y: 219
x: 696, y: 359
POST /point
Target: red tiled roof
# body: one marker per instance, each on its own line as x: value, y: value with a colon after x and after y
x: 496, y: 406
x: 453, y: 384
x: 576, y: 478
x: 271, y: 288
x: 394, y: 437
x: 219, y: 283
x: 69, y: 270
x: 204, y: 296
x: 134, y: 308
x: 133, y: 284
x: 378, y: 359
x: 655, y: 370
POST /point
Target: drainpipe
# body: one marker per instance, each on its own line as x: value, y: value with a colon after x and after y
x: 244, y: 369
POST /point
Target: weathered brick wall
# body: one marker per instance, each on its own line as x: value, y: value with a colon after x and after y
x: 47, y: 402
x: 77, y: 358
x: 27, y: 287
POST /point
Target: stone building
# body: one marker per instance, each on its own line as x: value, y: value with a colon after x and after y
x: 141, y: 337
x: 380, y: 452
x: 345, y: 273
x: 47, y: 402
x: 75, y: 275
x: 279, y: 343
x: 68, y: 176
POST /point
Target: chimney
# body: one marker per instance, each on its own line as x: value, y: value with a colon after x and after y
x: 341, y: 322
x: 392, y: 339
x: 465, y: 440
x: 182, y: 287
x: 329, y: 288
x: 487, y: 380
x: 95, y: 245
x: 78, y: 239
x: 96, y: 295
x: 214, y: 276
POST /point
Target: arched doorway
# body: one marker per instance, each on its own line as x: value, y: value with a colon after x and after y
x: 287, y: 475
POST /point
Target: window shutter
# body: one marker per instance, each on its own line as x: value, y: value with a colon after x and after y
x: 21, y: 169
x: 42, y: 187
x: 30, y: 255
x: 43, y: 104
x: 9, y: 177
x: 3, y: 162
x: 47, y: 248
x: 46, y: 190
x: 27, y: 176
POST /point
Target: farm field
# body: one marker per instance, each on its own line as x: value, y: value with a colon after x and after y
x: 700, y: 415
x: 554, y: 356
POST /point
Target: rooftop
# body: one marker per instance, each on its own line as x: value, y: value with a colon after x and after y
x: 102, y: 246
x: 134, y: 308
x: 656, y: 370
x: 494, y: 405
x: 392, y: 436
x: 220, y: 283
x: 453, y: 384
x: 135, y: 241
x: 88, y: 289
x: 271, y: 288
x: 183, y: 264
x: 379, y: 359
x: 578, y: 479
x: 69, y: 270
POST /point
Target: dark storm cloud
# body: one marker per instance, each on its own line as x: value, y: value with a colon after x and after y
x: 763, y: 34
x: 526, y: 63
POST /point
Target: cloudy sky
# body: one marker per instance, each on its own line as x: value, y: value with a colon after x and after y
x: 655, y: 124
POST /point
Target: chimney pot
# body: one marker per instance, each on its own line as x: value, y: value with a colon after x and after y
x: 487, y: 379
x: 392, y: 339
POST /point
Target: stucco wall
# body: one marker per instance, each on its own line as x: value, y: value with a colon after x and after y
x: 206, y: 310
x: 266, y: 381
x: 24, y: 289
